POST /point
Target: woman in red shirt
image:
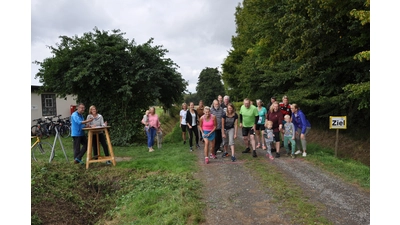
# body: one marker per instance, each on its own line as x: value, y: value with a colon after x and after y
x: 275, y: 115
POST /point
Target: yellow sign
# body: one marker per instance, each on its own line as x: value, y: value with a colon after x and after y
x: 337, y: 122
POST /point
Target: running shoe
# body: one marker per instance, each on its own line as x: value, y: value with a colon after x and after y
x: 247, y: 150
x: 297, y: 152
x: 271, y: 157
x: 191, y: 149
x: 213, y: 156
x: 233, y: 158
x: 225, y: 154
x: 78, y: 160
x: 206, y: 160
x: 197, y: 145
x: 254, y: 153
x: 304, y: 154
x: 277, y: 155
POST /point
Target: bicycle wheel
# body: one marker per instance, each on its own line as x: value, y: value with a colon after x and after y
x: 41, y: 152
x: 35, y: 130
x: 45, y: 132
x: 65, y: 131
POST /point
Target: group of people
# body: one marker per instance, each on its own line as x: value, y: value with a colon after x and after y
x: 217, y: 126
x: 272, y: 124
x: 94, y: 119
x: 262, y: 127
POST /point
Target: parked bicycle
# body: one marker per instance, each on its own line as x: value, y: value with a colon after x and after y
x: 63, y: 127
x: 50, y: 125
x: 39, y: 129
x: 41, y: 151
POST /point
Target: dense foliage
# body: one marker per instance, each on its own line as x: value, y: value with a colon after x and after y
x: 121, y: 78
x: 315, y: 52
x: 209, y: 85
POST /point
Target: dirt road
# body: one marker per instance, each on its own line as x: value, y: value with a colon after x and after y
x: 234, y: 196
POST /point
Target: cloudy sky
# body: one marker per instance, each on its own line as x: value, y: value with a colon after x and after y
x: 197, y: 33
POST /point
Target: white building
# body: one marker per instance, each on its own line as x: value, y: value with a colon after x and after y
x: 47, y: 104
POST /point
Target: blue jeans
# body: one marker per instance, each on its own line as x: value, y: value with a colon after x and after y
x: 151, y: 134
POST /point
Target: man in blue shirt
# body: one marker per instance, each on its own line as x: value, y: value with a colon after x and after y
x: 78, y: 135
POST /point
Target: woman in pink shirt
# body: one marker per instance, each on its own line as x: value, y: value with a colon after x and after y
x: 154, y: 125
x: 208, y: 124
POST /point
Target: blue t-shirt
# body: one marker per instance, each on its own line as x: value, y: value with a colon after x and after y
x: 77, y: 125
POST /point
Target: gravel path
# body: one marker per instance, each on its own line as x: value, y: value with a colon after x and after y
x: 234, y: 196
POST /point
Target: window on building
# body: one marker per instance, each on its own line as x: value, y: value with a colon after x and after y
x: 49, y: 107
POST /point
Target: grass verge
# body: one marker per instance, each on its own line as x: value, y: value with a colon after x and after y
x: 143, y: 188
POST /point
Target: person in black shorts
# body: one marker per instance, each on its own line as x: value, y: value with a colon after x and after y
x: 183, y: 125
x: 248, y: 120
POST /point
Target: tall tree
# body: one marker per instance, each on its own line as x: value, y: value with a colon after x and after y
x: 209, y: 85
x: 303, y: 49
x: 121, y: 78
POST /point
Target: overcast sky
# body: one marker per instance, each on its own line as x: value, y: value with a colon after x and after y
x: 197, y: 33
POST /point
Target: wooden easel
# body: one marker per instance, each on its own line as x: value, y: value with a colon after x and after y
x: 95, y: 131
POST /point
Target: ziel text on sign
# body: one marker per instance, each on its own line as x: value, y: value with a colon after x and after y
x: 337, y: 122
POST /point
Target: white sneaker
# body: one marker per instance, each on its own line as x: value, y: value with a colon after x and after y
x: 298, y: 152
x: 304, y: 154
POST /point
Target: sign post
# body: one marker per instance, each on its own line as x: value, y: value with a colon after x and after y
x: 337, y: 122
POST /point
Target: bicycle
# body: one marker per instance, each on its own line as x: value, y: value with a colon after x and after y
x: 41, y: 150
x: 62, y: 126
x: 39, y: 129
x: 50, y: 125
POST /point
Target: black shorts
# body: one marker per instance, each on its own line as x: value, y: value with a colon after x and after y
x: 183, y: 127
x: 247, y: 130
x: 277, y: 136
x: 260, y: 127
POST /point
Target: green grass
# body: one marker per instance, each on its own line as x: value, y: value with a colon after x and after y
x: 143, y: 188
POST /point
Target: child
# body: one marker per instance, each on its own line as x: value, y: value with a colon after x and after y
x: 289, y: 135
x: 269, y: 137
x: 159, y: 138
x: 145, y: 121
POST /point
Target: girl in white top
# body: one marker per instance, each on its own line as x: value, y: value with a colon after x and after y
x: 98, y: 121
x: 182, y: 115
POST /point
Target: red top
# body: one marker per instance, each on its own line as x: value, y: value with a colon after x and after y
x: 276, y: 118
x: 285, y: 109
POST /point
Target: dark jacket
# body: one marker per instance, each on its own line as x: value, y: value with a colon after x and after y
x: 189, y: 117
